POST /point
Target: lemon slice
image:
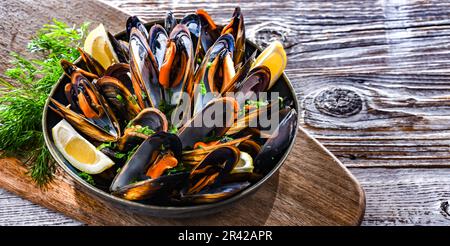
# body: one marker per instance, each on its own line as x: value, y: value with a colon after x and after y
x: 78, y: 151
x: 97, y: 44
x: 274, y: 58
x: 245, y: 164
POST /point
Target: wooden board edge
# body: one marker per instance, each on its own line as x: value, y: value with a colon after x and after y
x: 359, y: 188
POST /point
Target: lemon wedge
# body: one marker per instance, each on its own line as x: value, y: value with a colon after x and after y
x: 78, y: 151
x: 97, y: 44
x: 274, y: 58
x: 245, y: 164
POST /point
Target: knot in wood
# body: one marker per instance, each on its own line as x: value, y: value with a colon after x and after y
x: 269, y: 34
x: 338, y: 102
x: 445, y: 210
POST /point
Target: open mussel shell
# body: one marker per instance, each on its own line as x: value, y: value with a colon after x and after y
x: 132, y: 183
x: 144, y: 71
x: 121, y: 71
x: 215, y: 72
x: 216, y: 194
x: 150, y: 118
x: 119, y: 97
x: 278, y: 141
x: 192, y: 22
x: 134, y: 22
x: 82, y: 124
x: 195, y: 156
x: 88, y: 111
x: 237, y: 29
x: 69, y: 68
x: 214, y: 120
x: 256, y: 81
x: 92, y: 64
x: 170, y: 22
x: 209, y: 31
x: 122, y: 54
x: 177, y: 67
x: 158, y: 43
x: 205, y: 179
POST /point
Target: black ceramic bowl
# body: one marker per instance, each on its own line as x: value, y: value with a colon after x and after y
x: 50, y: 119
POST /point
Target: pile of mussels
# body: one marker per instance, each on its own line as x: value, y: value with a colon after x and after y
x: 125, y: 109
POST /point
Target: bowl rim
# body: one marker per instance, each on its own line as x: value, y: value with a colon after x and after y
x: 156, y: 208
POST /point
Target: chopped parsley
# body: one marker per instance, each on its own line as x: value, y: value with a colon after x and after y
x: 202, y: 87
x: 256, y: 104
x: 120, y: 98
x: 87, y: 177
x: 110, y: 145
x: 173, y: 129
x: 179, y: 168
x: 131, y: 152
x: 119, y: 155
x: 226, y: 139
x: 166, y: 107
x: 145, y: 130
x: 143, y: 95
x: 132, y: 99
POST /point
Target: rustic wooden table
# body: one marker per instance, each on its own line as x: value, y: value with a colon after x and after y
x: 372, y: 80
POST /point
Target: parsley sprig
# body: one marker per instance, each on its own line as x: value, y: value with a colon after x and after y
x: 24, y: 89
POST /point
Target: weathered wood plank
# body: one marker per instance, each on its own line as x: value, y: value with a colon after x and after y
x: 32, y: 15
x: 18, y: 211
x: 406, y: 196
x: 394, y: 55
x: 394, y: 197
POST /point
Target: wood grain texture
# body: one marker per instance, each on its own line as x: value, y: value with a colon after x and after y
x: 19, y: 21
x: 407, y: 196
x: 394, y: 55
x: 312, y: 188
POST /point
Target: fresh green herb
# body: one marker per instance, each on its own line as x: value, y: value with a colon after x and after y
x: 107, y: 128
x: 131, y: 152
x: 281, y: 100
x: 257, y: 104
x: 132, y: 99
x: 120, y: 98
x: 130, y: 124
x: 23, y: 95
x: 119, y: 155
x: 179, y: 168
x: 202, y: 87
x: 118, y: 170
x: 144, y: 95
x: 209, y: 64
x: 110, y: 145
x: 145, y: 130
x: 166, y: 108
x: 199, y: 60
x: 133, y: 181
x: 226, y: 139
x: 173, y: 129
x: 87, y: 177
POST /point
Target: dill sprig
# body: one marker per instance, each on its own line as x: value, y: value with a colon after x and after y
x: 24, y: 92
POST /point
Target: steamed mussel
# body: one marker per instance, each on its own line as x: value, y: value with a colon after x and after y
x: 179, y: 108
